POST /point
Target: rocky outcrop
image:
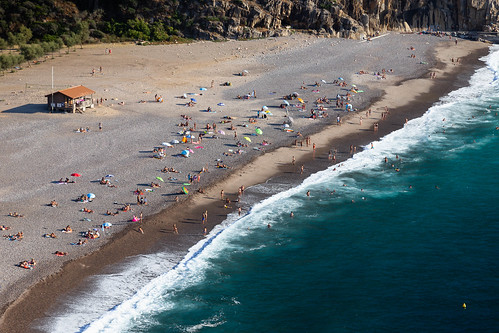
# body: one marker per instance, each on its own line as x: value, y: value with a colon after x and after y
x: 343, y: 18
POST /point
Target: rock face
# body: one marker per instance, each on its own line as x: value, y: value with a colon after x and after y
x: 220, y: 19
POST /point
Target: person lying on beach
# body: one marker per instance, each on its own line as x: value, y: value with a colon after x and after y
x: 16, y: 214
x: 86, y: 210
x: 82, y: 198
x: 104, y: 181
x: 60, y: 254
x: 81, y: 242
x: 2, y: 227
x: 108, y: 212
x: 155, y: 185
x: 27, y: 264
x: 138, y: 191
x: 222, y: 166
x: 91, y: 234
x: 165, y: 169
x: 15, y: 237
x: 53, y: 203
x: 67, y: 229
x: 126, y: 208
x: 52, y: 235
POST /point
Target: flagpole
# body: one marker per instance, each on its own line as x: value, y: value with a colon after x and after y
x: 52, y: 99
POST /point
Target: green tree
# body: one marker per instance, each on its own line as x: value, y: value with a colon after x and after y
x: 11, y: 39
x: 82, y: 33
x: 24, y: 35
x: 69, y: 40
x: 31, y: 51
x: 158, y: 32
x: 3, y: 44
x: 138, y: 29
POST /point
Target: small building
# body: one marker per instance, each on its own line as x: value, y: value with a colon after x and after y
x: 71, y: 100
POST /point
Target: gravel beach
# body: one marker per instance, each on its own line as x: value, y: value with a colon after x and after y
x: 40, y: 148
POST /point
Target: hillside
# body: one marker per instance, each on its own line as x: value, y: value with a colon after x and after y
x: 163, y: 20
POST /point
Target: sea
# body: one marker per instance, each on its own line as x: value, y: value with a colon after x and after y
x: 406, y: 244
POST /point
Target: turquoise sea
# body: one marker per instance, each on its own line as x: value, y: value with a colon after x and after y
x: 378, y: 247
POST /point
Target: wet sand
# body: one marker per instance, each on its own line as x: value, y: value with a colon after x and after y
x: 158, y: 227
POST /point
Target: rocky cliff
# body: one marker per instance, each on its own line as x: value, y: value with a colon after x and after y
x: 343, y: 18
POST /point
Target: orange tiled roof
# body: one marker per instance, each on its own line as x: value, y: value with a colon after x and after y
x: 75, y: 92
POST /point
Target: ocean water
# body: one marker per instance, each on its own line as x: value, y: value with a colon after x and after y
x: 395, y: 246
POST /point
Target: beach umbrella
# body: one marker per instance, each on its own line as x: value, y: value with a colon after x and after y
x: 202, y: 89
x: 221, y: 104
x: 258, y: 131
x: 285, y: 102
x: 286, y: 125
x: 109, y: 176
x: 185, y: 153
x: 185, y: 190
x: 166, y: 144
x: 75, y: 175
x: 354, y: 85
x: 159, y: 178
x: 247, y: 139
x: 193, y: 100
x: 245, y: 71
x: 300, y: 100
x: 221, y: 132
x: 265, y: 108
x: 340, y: 78
x: 175, y: 141
x: 324, y: 81
x: 135, y: 219
x: 106, y: 224
x: 296, y: 94
x: 190, y: 150
x: 90, y: 195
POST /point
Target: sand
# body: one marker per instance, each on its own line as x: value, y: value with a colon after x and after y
x: 39, y: 148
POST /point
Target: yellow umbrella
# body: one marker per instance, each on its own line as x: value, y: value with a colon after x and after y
x: 247, y: 139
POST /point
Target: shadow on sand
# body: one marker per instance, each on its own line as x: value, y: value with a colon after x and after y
x: 30, y: 108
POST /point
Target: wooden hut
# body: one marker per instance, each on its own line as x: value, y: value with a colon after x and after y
x: 71, y: 99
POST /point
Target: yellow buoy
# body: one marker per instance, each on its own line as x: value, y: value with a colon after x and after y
x: 464, y: 305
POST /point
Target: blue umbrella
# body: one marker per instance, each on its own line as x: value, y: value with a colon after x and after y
x: 106, y: 224
x: 91, y: 196
x: 193, y: 100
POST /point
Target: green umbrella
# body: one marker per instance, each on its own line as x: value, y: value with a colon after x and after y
x: 259, y: 131
x: 159, y: 178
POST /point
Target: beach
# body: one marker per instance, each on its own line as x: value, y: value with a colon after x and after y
x: 41, y: 148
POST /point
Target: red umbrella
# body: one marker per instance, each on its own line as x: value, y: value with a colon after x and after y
x: 75, y: 175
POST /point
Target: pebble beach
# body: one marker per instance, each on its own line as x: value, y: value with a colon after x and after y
x: 130, y: 151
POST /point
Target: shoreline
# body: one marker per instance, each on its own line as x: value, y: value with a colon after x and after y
x: 41, y: 297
